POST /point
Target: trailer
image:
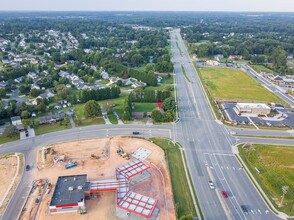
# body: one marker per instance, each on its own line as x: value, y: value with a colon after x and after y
x: 70, y: 165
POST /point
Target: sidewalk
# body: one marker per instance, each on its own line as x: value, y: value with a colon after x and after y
x: 72, y: 123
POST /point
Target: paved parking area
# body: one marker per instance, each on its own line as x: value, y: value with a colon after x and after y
x: 31, y: 133
x: 231, y: 115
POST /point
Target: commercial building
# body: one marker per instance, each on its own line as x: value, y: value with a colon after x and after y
x: 69, y: 194
x: 253, y: 108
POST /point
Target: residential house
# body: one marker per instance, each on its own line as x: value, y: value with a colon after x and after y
x: 3, y: 84
x: 138, y: 115
x: 235, y: 57
x: 138, y: 84
x: 32, y: 75
x: 16, y: 121
x: 104, y: 75
x: 52, y: 118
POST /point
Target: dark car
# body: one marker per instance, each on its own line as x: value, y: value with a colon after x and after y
x: 225, y: 194
x: 244, y: 208
x: 28, y: 167
x: 136, y: 132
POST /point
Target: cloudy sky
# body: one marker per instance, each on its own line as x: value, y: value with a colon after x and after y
x: 149, y: 5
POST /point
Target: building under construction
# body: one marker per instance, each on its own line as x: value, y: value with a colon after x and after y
x: 70, y: 192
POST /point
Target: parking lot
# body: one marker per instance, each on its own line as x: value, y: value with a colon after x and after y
x: 286, y: 117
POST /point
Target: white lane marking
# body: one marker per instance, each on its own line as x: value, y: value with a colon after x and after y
x: 233, y: 168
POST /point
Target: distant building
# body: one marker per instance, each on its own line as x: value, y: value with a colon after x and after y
x: 16, y: 121
x: 253, y: 108
x: 138, y: 115
x: 235, y: 57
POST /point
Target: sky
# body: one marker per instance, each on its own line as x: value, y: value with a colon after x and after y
x: 148, y: 5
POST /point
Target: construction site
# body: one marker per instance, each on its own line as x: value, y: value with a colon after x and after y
x: 109, y: 178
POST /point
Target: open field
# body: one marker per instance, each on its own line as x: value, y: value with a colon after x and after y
x: 276, y: 167
x: 181, y: 193
x: 290, y: 63
x: 46, y: 128
x: 4, y: 139
x: 235, y: 85
x: 8, y: 168
x: 261, y: 68
x: 103, y: 207
x: 144, y: 107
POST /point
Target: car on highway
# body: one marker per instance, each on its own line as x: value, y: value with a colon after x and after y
x: 244, y: 208
x: 28, y: 167
x: 225, y: 194
x: 211, y: 185
x: 136, y: 132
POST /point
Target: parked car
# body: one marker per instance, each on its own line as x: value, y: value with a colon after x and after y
x: 28, y: 167
x: 244, y: 208
x: 211, y: 185
x: 225, y: 194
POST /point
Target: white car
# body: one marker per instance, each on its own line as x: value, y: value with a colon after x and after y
x: 211, y: 185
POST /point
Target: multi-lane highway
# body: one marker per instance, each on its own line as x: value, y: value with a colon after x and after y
x: 207, y: 144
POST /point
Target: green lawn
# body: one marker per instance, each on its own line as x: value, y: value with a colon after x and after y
x: 144, y: 107
x: 104, y: 81
x: 290, y: 63
x: 276, y: 166
x: 261, y: 68
x: 141, y: 68
x: 47, y: 128
x: 113, y: 119
x: 181, y: 193
x: 79, y: 111
x: 235, y: 85
x: 166, y: 80
x: 4, y: 139
x: 80, y: 119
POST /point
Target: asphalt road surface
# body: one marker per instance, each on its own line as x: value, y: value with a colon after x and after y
x: 207, y: 145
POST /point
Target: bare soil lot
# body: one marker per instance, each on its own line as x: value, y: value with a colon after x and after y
x: 8, y: 168
x: 85, y: 153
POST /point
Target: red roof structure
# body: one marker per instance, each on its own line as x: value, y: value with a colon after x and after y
x: 126, y: 199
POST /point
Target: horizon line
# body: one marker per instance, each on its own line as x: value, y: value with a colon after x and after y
x: 134, y: 11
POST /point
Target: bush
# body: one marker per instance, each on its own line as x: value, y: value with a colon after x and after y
x: 11, y: 131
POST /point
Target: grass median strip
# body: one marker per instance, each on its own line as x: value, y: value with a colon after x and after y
x: 179, y: 50
x: 184, y: 72
x: 181, y: 193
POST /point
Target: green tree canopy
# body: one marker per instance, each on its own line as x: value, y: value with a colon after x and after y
x: 10, y: 131
x: 92, y: 109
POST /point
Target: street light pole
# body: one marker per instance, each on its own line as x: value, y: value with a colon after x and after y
x: 285, y: 190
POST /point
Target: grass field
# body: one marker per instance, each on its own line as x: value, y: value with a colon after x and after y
x: 290, y: 63
x: 47, y: 128
x: 4, y: 139
x: 141, y: 68
x: 144, y: 107
x: 276, y: 166
x: 235, y: 85
x: 261, y: 68
x: 181, y: 193
x: 112, y: 119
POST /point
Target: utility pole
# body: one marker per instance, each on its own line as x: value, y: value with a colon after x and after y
x: 285, y: 190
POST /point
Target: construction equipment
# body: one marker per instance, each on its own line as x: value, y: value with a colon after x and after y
x: 70, y: 165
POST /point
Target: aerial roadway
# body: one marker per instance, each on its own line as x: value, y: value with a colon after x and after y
x: 206, y: 141
x: 208, y: 147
